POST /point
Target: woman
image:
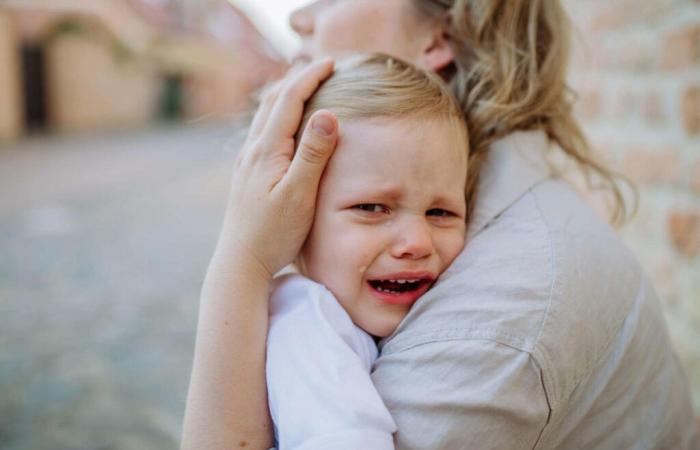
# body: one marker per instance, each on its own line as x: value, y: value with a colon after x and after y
x: 543, y: 334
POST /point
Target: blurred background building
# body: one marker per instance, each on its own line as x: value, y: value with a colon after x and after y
x: 77, y: 65
x: 117, y: 130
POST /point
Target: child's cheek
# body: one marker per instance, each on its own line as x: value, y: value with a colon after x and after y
x: 365, y: 260
x: 354, y: 252
x: 361, y: 249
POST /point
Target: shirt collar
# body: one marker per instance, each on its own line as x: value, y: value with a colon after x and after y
x: 515, y: 164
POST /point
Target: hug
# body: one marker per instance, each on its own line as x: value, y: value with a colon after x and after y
x: 445, y: 287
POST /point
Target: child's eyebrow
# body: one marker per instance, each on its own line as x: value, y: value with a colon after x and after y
x: 453, y: 205
x: 389, y: 192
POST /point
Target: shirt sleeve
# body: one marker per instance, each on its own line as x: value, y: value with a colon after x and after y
x: 463, y: 394
x: 320, y: 391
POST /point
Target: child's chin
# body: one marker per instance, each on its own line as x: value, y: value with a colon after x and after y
x: 378, y: 333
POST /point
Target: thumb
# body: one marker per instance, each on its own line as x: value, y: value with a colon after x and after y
x: 316, y: 146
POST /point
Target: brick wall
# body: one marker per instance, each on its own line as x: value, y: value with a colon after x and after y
x: 637, y: 70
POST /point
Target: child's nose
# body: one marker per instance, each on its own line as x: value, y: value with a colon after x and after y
x: 413, y: 239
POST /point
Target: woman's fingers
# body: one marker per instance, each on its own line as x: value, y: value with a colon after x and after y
x: 315, y: 148
x: 286, y: 113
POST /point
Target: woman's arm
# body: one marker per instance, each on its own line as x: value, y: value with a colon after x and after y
x: 226, y: 405
x: 270, y: 210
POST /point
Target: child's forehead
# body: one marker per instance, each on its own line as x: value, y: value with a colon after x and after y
x: 382, y: 154
x: 400, y: 140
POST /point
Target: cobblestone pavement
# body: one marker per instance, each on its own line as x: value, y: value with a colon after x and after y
x: 104, y: 241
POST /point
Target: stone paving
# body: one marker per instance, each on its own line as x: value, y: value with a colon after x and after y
x: 104, y: 241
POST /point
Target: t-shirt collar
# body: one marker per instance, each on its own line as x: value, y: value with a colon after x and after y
x: 515, y: 164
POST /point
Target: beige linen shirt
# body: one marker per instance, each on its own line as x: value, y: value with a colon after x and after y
x: 543, y: 334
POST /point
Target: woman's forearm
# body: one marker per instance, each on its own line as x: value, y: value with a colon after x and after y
x: 227, y: 401
x: 271, y: 206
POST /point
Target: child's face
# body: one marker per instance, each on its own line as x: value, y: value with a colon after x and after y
x: 390, y: 206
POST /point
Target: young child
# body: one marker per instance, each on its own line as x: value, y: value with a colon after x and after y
x: 390, y: 218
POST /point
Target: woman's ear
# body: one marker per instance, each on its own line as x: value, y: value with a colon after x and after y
x: 437, y: 54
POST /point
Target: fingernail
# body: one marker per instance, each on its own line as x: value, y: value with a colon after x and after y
x: 323, y: 125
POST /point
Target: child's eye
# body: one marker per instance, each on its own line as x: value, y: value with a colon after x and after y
x: 437, y: 212
x: 372, y: 208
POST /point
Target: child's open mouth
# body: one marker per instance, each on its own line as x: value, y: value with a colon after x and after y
x: 397, y: 286
x: 402, y: 291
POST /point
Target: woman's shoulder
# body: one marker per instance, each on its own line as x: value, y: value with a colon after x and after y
x: 532, y: 222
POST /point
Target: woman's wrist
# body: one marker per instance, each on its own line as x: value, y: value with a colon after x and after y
x: 234, y: 260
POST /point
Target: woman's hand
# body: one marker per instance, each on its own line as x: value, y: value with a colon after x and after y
x: 273, y: 192
x: 271, y: 206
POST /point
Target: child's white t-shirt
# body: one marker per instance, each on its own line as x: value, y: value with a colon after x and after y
x: 318, y: 373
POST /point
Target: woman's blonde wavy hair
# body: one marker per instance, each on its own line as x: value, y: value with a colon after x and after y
x: 509, y: 74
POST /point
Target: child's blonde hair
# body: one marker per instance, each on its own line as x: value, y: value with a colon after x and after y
x: 381, y: 86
